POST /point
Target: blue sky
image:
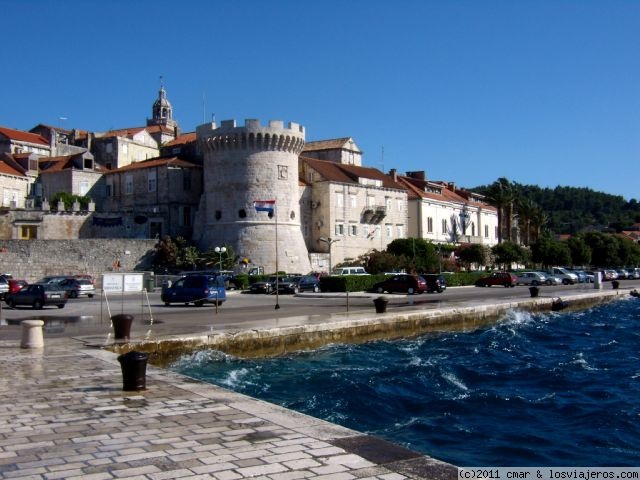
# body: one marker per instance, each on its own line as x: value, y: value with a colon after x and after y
x: 541, y: 92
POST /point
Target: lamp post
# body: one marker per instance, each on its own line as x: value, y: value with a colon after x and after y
x: 220, y: 251
x: 329, y: 241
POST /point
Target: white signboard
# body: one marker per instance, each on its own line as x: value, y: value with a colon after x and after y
x: 112, y: 282
x: 133, y: 282
x: 122, y: 282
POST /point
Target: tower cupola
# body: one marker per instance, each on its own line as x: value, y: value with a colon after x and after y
x: 162, y: 111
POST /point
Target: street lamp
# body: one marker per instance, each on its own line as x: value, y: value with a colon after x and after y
x: 329, y: 241
x: 220, y: 251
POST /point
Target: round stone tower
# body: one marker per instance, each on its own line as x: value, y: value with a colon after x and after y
x: 243, y: 165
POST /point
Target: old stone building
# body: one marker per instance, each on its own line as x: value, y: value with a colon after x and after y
x: 442, y: 213
x: 349, y: 210
x: 17, y: 141
x: 151, y: 198
x: 73, y: 174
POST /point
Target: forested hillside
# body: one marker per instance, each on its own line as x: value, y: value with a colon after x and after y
x: 572, y: 209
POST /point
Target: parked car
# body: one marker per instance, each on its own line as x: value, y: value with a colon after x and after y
x: 532, y: 278
x: 52, y: 279
x: 435, y: 282
x: 505, y: 279
x: 309, y: 283
x: 84, y: 276
x: 350, y: 271
x: 633, y: 273
x: 38, y: 295
x: 16, y: 285
x: 622, y: 274
x: 196, y: 289
x: 609, y: 274
x: 567, y: 277
x: 77, y: 288
x: 4, y: 286
x: 402, y: 283
x: 264, y: 286
x: 552, y: 279
x: 289, y: 284
x: 584, y: 277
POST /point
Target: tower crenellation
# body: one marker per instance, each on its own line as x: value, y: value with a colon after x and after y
x: 244, y: 164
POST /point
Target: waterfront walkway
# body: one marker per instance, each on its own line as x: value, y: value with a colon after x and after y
x: 64, y: 415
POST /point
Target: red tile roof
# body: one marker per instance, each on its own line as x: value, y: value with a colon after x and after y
x: 7, y: 168
x: 339, y: 172
x: 155, y: 162
x: 21, y: 136
x: 416, y: 188
x: 182, y: 139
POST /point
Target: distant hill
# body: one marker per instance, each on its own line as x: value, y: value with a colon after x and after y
x: 572, y: 209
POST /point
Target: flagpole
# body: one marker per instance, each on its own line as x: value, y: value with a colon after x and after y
x: 275, y: 214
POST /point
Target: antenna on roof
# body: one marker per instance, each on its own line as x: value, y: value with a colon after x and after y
x: 161, y: 84
x: 382, y: 158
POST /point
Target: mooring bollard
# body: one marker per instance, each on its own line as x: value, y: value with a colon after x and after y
x: 534, y: 291
x: 134, y: 370
x: 121, y: 326
x: 32, y: 334
x: 381, y: 304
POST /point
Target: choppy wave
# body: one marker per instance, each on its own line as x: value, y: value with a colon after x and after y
x: 533, y: 389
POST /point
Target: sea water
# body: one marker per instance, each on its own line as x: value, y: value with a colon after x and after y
x: 556, y: 389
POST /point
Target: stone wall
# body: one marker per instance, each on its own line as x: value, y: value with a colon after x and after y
x: 33, y: 259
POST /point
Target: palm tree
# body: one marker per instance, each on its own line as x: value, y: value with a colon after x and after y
x: 501, y: 194
x: 526, y: 208
x: 539, y: 219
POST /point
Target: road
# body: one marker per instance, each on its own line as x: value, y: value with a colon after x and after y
x: 84, y: 317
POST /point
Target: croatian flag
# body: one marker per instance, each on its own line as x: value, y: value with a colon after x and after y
x: 264, y: 205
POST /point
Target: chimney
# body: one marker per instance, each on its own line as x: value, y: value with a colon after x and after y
x: 451, y: 186
x: 393, y: 173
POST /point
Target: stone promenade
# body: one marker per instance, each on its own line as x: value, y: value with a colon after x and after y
x: 64, y: 415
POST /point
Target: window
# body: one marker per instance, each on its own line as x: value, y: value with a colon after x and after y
x: 353, y: 201
x: 473, y: 229
x: 429, y: 224
x: 186, y: 180
x: 83, y: 187
x: 445, y: 228
x: 128, y: 185
x: 400, y: 205
x: 339, y: 229
x: 400, y: 231
x: 388, y: 204
x: 371, y: 201
x: 389, y: 231
x: 186, y: 216
x: 353, y: 230
x: 486, y: 231
x: 151, y: 181
x: 28, y: 232
x: 108, y: 190
x: 340, y: 199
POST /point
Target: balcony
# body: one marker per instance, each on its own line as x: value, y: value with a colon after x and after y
x: 373, y: 215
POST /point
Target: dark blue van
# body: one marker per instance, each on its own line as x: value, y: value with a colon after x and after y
x: 197, y: 289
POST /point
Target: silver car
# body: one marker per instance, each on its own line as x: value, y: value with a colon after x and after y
x: 532, y: 278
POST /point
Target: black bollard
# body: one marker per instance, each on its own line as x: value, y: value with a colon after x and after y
x: 122, y: 326
x: 381, y: 304
x: 134, y: 370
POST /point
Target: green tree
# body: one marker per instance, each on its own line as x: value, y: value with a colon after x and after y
x: 579, y: 250
x: 501, y: 194
x: 508, y: 253
x: 379, y: 262
x: 548, y: 252
x: 211, y: 259
x: 472, y: 253
x: 420, y: 254
x: 165, y: 255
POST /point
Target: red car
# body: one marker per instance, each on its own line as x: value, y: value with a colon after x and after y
x: 16, y: 285
x: 402, y: 283
x: 505, y: 279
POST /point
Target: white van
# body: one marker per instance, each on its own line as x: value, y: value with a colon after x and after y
x: 350, y: 271
x: 567, y: 277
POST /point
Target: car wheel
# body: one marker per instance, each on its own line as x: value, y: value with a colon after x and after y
x: 37, y: 305
x: 380, y: 290
x: 316, y: 289
x: 11, y: 302
x: 440, y: 290
x: 61, y: 305
x: 90, y: 295
x: 565, y: 282
x: 548, y: 282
